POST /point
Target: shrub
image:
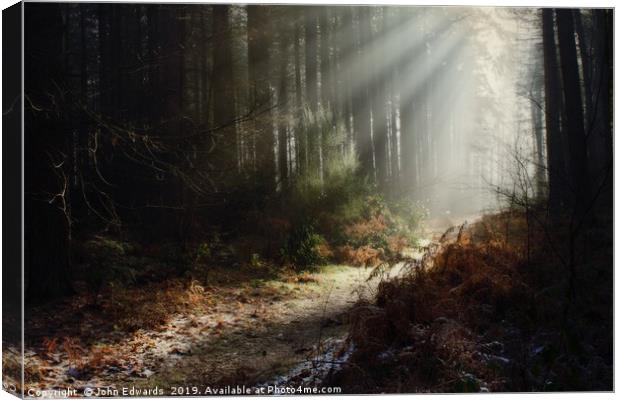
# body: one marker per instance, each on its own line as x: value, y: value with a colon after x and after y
x: 104, y: 261
x: 203, y: 252
x: 452, y: 319
x: 369, y: 232
x: 256, y: 262
x: 303, y: 247
x: 364, y: 256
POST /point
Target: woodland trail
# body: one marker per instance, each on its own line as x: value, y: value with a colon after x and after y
x: 292, y: 333
x: 279, y: 336
x: 234, y: 336
x: 247, y: 335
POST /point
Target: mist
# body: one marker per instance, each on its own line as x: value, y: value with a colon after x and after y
x: 464, y: 72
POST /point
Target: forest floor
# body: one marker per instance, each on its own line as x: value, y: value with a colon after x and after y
x: 178, y: 334
x: 488, y: 309
x: 278, y: 327
x: 235, y: 335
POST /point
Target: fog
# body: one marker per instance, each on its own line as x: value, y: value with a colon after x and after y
x: 469, y: 82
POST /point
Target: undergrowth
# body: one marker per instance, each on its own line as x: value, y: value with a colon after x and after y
x: 485, y: 311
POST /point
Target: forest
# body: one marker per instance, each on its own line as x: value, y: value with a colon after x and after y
x: 327, y: 199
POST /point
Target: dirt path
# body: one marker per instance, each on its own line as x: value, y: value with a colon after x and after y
x: 289, y: 331
x: 235, y: 335
x: 283, y: 334
x: 232, y: 335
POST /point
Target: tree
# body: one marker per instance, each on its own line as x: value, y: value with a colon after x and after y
x: 224, y: 107
x: 586, y: 68
x: 361, y: 99
x: 171, y: 44
x: 311, y: 54
x: 574, y: 126
x: 283, y: 107
x: 301, y: 140
x: 379, y: 78
x: 261, y: 98
x: 553, y: 104
x: 599, y: 130
x: 407, y: 102
x: 327, y: 94
x: 346, y: 55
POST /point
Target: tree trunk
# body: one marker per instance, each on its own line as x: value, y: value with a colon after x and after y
x: 586, y: 68
x: 537, y: 125
x: 204, y: 108
x: 261, y: 99
x: 553, y: 101
x: 300, y: 133
x: 394, y: 158
x: 154, y: 71
x: 407, y: 102
x: 379, y: 120
x: 347, y: 54
x: 283, y: 107
x: 313, y: 150
x: 223, y: 89
x: 577, y: 146
x: 326, y: 68
x: 172, y: 67
x: 104, y: 80
x: 310, y: 28
x: 361, y: 102
x: 600, y: 137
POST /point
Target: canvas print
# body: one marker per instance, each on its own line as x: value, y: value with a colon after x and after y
x: 230, y: 199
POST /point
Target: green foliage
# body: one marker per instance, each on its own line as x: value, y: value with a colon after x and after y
x: 322, y: 130
x: 122, y: 273
x: 342, y: 203
x: 203, y: 253
x: 466, y: 384
x: 343, y: 197
x: 107, y: 263
x: 256, y: 262
x: 405, y: 219
x: 302, y: 247
x: 336, y: 198
x: 257, y: 283
x: 104, y: 247
x: 257, y: 266
x: 380, y: 224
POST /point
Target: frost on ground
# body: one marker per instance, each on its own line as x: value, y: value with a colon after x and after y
x: 236, y: 335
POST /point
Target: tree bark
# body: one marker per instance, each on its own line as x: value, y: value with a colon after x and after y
x: 575, y: 133
x: 361, y: 102
x: 300, y: 133
x: 223, y: 89
x: 261, y: 99
x: 553, y: 102
x: 586, y: 67
x: 311, y: 53
x: 600, y: 135
x: 379, y: 120
x: 347, y: 55
x: 407, y: 101
x: 313, y: 149
x: 394, y: 158
x: 283, y: 107
x: 326, y: 68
